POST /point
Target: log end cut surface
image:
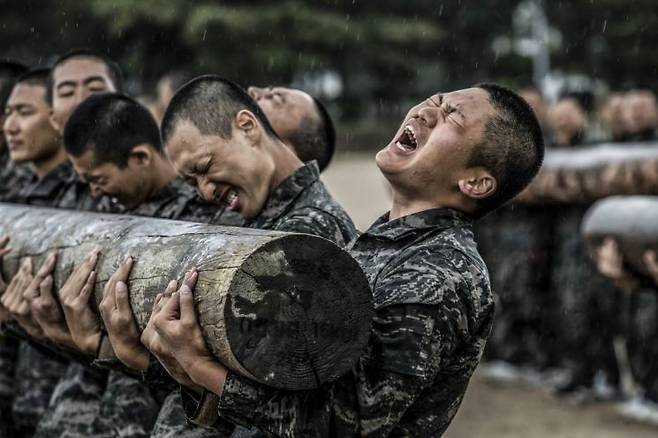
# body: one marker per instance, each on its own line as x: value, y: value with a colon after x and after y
x: 298, y: 313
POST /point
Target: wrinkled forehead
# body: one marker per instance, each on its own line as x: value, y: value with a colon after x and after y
x: 472, y: 98
x: 80, y: 69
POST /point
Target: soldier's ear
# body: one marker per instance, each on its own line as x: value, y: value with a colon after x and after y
x: 141, y: 155
x: 54, y: 123
x: 248, y: 126
x: 478, y: 183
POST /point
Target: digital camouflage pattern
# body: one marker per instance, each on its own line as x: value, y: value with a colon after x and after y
x: 74, y: 404
x: 12, y: 176
x: 434, y: 312
x: 171, y: 422
x: 122, y: 405
x: 177, y: 200
x: 36, y: 373
x: 516, y: 242
x: 302, y: 204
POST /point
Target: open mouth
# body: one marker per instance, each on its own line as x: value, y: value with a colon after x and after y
x: 230, y: 198
x: 407, y: 141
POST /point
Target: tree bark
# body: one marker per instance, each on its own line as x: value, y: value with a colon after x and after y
x: 288, y: 310
x: 581, y: 176
x: 631, y: 220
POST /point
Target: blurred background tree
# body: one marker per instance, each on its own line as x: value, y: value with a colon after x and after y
x: 369, y: 59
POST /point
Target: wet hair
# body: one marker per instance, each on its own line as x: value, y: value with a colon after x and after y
x: 315, y: 138
x: 210, y: 103
x: 9, y: 72
x: 110, y: 125
x: 513, y: 147
x: 113, y: 69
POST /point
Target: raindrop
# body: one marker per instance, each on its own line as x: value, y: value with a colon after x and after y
x: 605, y: 24
x: 203, y: 37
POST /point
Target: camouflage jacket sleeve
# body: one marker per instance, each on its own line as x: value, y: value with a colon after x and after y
x: 315, y: 222
x: 411, y: 342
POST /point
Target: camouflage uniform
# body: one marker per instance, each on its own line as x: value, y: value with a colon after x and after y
x: 12, y: 176
x: 301, y: 204
x: 585, y: 303
x: 434, y: 312
x: 641, y: 333
x: 97, y: 403
x: 36, y: 373
x: 516, y: 242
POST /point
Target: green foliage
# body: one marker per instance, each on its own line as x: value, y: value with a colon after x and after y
x: 389, y: 53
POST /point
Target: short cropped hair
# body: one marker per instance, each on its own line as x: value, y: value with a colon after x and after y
x: 110, y: 125
x: 113, y: 69
x: 39, y: 77
x: 513, y: 147
x: 210, y: 103
x: 9, y: 72
x: 315, y: 138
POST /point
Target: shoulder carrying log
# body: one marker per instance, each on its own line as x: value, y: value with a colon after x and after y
x: 584, y: 175
x: 631, y: 220
x: 291, y: 311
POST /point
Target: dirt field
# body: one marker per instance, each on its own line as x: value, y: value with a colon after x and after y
x: 489, y: 410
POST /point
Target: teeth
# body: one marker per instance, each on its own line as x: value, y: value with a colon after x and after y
x: 411, y: 134
x: 230, y: 197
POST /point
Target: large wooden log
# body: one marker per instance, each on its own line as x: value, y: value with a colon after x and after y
x: 288, y: 310
x: 631, y: 220
x: 584, y: 175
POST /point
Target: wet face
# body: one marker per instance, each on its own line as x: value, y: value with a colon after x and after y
x: 74, y: 81
x: 431, y: 150
x: 29, y: 134
x: 285, y: 108
x: 124, y: 186
x: 233, y: 172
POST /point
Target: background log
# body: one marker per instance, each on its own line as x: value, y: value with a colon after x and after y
x: 288, y: 310
x: 631, y: 220
x: 584, y: 175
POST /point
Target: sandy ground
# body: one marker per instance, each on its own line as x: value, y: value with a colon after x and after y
x: 489, y: 410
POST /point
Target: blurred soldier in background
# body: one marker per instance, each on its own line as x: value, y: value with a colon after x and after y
x: 640, y: 115
x: 10, y: 175
x: 568, y: 122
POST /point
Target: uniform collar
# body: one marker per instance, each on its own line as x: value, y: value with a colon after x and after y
x: 435, y: 218
x: 285, y: 195
x: 53, y: 180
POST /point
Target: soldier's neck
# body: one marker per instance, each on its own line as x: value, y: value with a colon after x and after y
x: 163, y: 173
x: 285, y: 163
x: 46, y: 165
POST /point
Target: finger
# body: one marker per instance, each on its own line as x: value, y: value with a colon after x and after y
x: 46, y: 289
x: 191, y: 279
x: 121, y: 274
x: 4, y: 252
x: 89, y: 286
x: 47, y: 266
x: 162, y: 298
x: 4, y: 241
x: 187, y: 313
x: 123, y: 302
x: 81, y: 273
x: 124, y: 270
